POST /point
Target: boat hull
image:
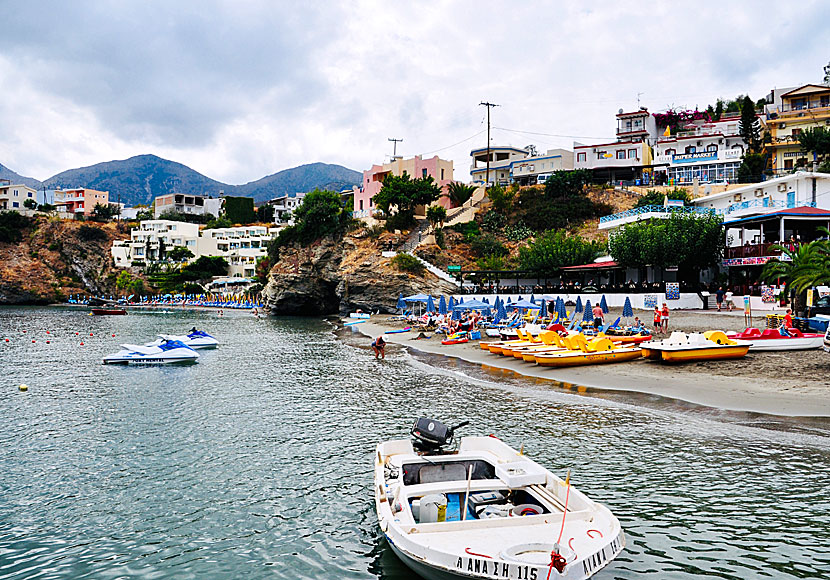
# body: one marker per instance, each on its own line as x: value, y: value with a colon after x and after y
x: 109, y: 311
x: 588, y: 358
x: 786, y: 343
x: 700, y: 354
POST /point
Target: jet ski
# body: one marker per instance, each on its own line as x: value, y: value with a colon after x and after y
x: 166, y: 352
x: 193, y: 339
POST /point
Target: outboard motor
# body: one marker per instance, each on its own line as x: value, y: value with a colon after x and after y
x: 430, y: 435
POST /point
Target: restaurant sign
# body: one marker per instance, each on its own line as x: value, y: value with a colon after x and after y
x: 755, y: 261
x: 692, y: 157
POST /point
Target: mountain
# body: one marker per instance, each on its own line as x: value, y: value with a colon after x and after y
x: 6, y: 173
x: 139, y: 179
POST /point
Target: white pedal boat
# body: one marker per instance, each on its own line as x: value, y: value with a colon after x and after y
x: 513, y: 516
x: 772, y: 339
x: 194, y: 339
x: 167, y: 352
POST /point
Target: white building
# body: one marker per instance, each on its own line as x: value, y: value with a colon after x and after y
x: 537, y: 168
x: 711, y: 152
x: 240, y: 246
x: 187, y: 204
x: 12, y: 196
x: 515, y: 165
x: 501, y: 160
x: 285, y: 204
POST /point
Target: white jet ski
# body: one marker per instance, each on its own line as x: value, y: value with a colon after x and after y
x: 166, y: 352
x: 194, y: 339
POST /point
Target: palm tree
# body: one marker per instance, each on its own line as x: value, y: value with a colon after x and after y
x: 802, y: 268
x: 459, y: 192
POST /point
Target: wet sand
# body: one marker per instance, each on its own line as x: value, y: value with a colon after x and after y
x: 787, y: 383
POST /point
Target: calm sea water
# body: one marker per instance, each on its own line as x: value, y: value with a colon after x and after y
x: 256, y: 462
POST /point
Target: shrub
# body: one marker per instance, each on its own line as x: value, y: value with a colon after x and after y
x: 408, y: 263
x: 29, y: 204
x: 375, y: 231
x: 469, y: 230
x: 554, y: 249
x: 487, y: 245
x: 517, y: 232
x: 654, y: 197
x: 92, y: 234
x: 502, y: 198
x: 12, y: 224
x: 493, y: 221
x: 219, y: 223
x: 440, y: 240
x: 400, y: 221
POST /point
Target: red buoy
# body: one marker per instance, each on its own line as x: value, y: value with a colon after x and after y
x: 33, y: 341
x: 90, y: 334
x: 47, y: 342
x: 82, y: 344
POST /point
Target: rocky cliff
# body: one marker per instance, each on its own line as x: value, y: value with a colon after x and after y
x: 56, y: 258
x: 339, y: 276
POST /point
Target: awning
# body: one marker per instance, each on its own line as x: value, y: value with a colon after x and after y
x: 593, y: 266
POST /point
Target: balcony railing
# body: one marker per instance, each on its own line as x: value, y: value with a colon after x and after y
x: 671, y: 209
x: 753, y: 203
x: 753, y: 251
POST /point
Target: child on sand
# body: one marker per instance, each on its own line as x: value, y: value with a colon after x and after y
x: 379, y: 346
x: 657, y: 320
x: 664, y: 317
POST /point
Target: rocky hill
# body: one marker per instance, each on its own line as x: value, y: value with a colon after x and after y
x: 56, y: 258
x: 139, y: 179
x: 339, y: 276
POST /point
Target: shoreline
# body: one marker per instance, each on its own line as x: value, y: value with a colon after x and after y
x: 713, y: 384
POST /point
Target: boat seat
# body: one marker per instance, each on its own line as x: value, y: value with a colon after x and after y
x: 795, y: 333
x: 754, y: 332
x: 771, y: 333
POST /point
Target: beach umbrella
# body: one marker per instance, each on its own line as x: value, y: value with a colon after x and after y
x: 563, y: 311
x: 544, y: 312
x: 430, y: 304
x: 401, y: 304
x: 456, y: 314
x: 485, y: 300
x: 524, y: 305
x: 628, y: 312
x: 451, y: 306
x: 578, y: 307
x: 497, y: 316
x: 604, y: 305
x: 461, y: 300
x: 442, y: 305
x: 502, y: 314
x: 532, y: 299
x: 587, y: 315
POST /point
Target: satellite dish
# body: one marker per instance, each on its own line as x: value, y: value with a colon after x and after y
x: 621, y: 111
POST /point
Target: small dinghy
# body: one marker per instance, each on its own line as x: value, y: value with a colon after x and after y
x: 486, y: 511
x: 194, y: 339
x: 167, y: 352
x: 773, y: 339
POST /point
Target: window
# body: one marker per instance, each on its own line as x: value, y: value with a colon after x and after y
x: 361, y: 205
x: 580, y: 157
x: 670, y: 152
x: 442, y: 174
x: 691, y: 149
x: 825, y: 101
x: 424, y: 173
x: 621, y: 154
x: 796, y: 132
x: 601, y: 154
x: 30, y: 194
x: 632, y: 154
x: 712, y: 147
x: 788, y: 164
x: 15, y: 204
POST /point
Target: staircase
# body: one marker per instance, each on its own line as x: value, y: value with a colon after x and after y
x: 436, y: 270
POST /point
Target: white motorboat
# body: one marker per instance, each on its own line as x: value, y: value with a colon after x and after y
x: 194, y: 339
x: 167, y: 352
x: 486, y: 511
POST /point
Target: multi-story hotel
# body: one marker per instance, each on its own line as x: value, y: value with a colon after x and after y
x: 12, y: 196
x: 789, y: 112
x: 187, y: 204
x: 79, y: 201
x: 627, y: 158
x: 515, y: 165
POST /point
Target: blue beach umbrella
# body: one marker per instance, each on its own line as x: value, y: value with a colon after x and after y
x: 485, y: 300
x: 430, y: 304
x: 533, y: 299
x: 401, y: 305
x: 604, y: 305
x: 587, y: 315
x: 461, y: 300
x: 578, y: 307
x: 456, y: 314
x: 628, y: 312
x: 442, y: 305
x: 502, y: 313
x: 544, y: 312
x: 563, y: 311
x: 452, y: 304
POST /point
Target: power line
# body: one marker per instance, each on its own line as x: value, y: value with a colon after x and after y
x: 551, y: 134
x: 455, y: 144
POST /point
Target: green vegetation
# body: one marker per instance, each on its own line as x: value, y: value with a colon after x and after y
x: 654, y: 197
x: 263, y: 267
x: 92, y: 234
x: 408, y: 263
x: 265, y: 213
x: 562, y: 204
x: 240, y: 210
x: 690, y: 242
x: 320, y: 214
x: 105, y: 212
x: 179, y: 254
x: 554, y: 249
x: 146, y: 215
x: 440, y: 240
x: 30, y: 204
x: 174, y: 279
x: 815, y: 140
x: 517, y: 232
x: 487, y: 245
x: 752, y: 168
x: 493, y: 221
x: 405, y: 193
x: 12, y: 224
x: 459, y: 193
x: 806, y: 266
x: 749, y: 127
x: 470, y: 230
x: 218, y: 223
x: 127, y: 283
x: 436, y: 215
x: 175, y: 216
x: 502, y: 199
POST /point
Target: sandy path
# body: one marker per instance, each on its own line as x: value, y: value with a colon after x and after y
x: 794, y: 383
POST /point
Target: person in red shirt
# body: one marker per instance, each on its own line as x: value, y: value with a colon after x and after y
x: 597, y: 312
x: 657, y: 320
x: 664, y: 317
x: 788, y: 319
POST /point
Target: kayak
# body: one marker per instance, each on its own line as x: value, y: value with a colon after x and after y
x: 457, y: 338
x: 353, y: 322
x: 407, y: 329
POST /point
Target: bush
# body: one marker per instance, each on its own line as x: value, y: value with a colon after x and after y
x: 408, y: 263
x: 469, y: 230
x: 487, y: 245
x: 12, y: 224
x: 440, y: 240
x: 92, y: 234
x: 400, y: 221
x: 375, y: 231
x: 219, y: 223
x: 29, y: 204
x: 654, y: 197
x: 493, y: 221
x: 518, y: 232
x: 554, y: 249
x: 502, y: 198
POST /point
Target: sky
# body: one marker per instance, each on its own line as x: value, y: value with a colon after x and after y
x: 241, y: 89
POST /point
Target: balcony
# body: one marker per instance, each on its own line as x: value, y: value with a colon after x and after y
x: 788, y: 110
x: 754, y: 250
x: 651, y: 211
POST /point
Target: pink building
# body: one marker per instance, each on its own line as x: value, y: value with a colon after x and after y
x: 79, y: 201
x: 439, y: 169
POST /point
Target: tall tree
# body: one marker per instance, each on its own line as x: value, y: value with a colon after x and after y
x: 554, y: 249
x: 749, y: 126
x: 459, y: 192
x: 815, y: 140
x: 404, y: 193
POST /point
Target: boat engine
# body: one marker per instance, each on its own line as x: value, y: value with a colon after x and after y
x: 430, y: 435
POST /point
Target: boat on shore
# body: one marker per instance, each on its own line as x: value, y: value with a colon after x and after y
x: 772, y: 339
x: 486, y: 511
x: 596, y: 351
x: 167, y: 352
x: 682, y: 347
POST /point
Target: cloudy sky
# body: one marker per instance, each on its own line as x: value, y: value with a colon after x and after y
x: 241, y: 89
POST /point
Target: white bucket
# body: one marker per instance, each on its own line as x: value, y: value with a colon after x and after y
x: 433, y: 508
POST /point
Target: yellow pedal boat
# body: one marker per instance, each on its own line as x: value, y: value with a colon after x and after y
x: 596, y: 351
x: 682, y: 347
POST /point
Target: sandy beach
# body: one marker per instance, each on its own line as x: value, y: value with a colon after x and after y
x: 787, y: 383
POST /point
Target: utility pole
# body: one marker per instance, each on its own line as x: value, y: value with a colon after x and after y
x: 487, y: 174
x: 395, y: 147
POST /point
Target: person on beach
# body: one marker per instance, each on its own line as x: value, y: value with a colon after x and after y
x: 598, y: 321
x: 638, y: 325
x: 730, y: 304
x: 379, y: 346
x: 664, y: 317
x: 657, y: 321
x: 719, y: 297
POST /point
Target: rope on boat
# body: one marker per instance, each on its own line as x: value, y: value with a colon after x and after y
x: 467, y: 550
x: 556, y: 559
x: 592, y: 537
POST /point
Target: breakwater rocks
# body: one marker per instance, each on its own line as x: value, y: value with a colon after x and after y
x: 54, y: 258
x: 337, y: 276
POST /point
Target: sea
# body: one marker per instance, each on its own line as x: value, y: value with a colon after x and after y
x: 257, y: 461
